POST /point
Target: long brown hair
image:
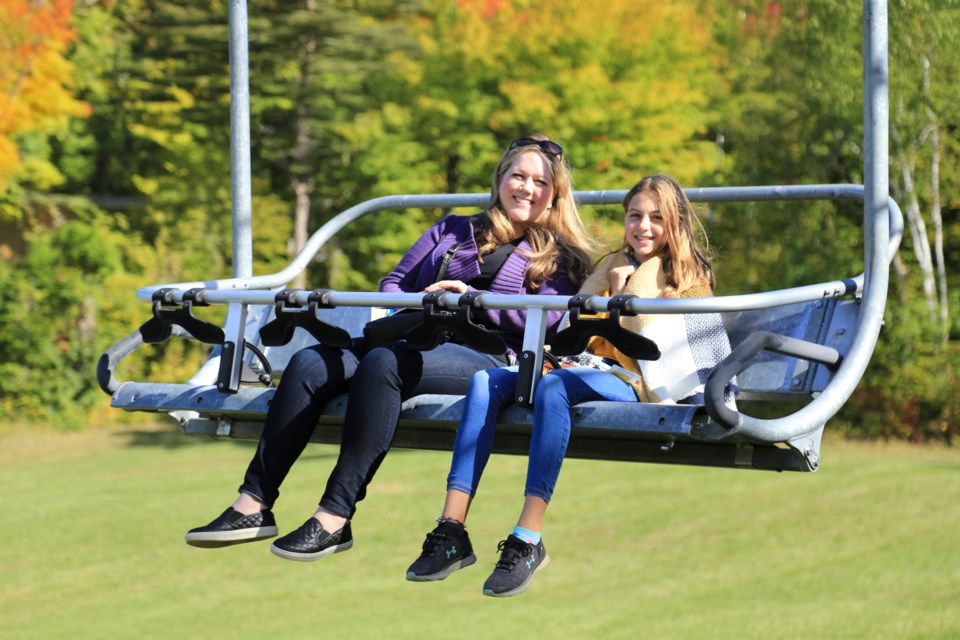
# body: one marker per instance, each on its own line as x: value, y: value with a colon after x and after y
x: 685, y: 262
x: 559, y: 234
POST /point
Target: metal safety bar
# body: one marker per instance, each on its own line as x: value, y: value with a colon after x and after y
x: 479, y: 200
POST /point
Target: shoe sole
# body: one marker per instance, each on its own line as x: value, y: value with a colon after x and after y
x: 523, y: 587
x: 446, y: 571
x: 215, y: 539
x: 309, y: 557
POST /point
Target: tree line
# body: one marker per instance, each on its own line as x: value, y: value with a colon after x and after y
x: 115, y: 157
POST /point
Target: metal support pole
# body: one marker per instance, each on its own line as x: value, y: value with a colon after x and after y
x: 231, y: 354
x: 240, y: 141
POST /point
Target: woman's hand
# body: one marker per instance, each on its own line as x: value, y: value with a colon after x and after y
x: 618, y: 278
x: 448, y: 285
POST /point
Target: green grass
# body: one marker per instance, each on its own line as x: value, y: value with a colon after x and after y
x: 91, y: 546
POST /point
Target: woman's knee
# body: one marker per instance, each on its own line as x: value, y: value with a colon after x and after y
x: 382, y: 365
x: 315, y: 365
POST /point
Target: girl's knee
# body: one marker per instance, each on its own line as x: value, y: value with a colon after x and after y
x: 551, y: 388
x: 497, y: 385
x: 491, y: 377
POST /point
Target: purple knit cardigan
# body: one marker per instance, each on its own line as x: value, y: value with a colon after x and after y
x: 419, y: 266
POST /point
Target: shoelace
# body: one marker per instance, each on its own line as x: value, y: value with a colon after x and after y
x: 433, y: 542
x: 511, y: 551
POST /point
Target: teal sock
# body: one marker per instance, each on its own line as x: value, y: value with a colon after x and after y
x: 532, y: 537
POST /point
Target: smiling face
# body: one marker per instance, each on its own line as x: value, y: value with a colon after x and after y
x: 526, y: 190
x: 643, y: 226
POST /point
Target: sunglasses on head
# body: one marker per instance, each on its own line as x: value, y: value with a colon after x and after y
x: 549, y: 147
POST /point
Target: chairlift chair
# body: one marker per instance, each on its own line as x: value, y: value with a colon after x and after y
x: 808, y: 344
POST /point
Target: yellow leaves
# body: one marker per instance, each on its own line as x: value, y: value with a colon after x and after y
x: 405, y: 67
x: 183, y: 99
x: 9, y: 160
x: 35, y: 76
x: 625, y: 83
x: 34, y: 73
x: 437, y: 107
x: 159, y: 113
x: 163, y: 137
x: 41, y: 173
x: 146, y: 186
x: 394, y: 116
x: 527, y: 104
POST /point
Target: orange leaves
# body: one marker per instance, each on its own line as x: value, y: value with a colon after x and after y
x: 489, y: 8
x: 35, y: 76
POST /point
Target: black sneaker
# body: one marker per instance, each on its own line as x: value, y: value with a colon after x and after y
x: 232, y: 527
x: 518, y: 562
x: 446, y: 549
x: 311, y: 542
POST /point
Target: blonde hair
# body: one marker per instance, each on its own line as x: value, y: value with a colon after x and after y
x: 559, y: 235
x: 685, y: 262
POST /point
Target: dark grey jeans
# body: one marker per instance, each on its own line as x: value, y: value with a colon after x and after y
x: 378, y: 383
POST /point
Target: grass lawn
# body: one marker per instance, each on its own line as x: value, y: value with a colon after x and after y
x: 93, y: 523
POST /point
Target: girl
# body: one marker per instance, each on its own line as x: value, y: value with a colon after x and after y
x: 659, y: 258
x: 532, y: 208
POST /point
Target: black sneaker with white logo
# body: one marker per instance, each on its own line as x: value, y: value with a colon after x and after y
x: 232, y: 527
x: 519, y: 561
x: 446, y: 549
x: 311, y: 542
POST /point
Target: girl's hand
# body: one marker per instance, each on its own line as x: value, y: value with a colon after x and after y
x: 618, y: 279
x: 448, y: 285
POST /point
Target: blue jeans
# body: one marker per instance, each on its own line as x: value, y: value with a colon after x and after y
x: 491, y: 391
x: 378, y: 383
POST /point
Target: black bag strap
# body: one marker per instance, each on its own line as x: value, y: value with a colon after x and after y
x: 445, y: 261
x: 492, y: 262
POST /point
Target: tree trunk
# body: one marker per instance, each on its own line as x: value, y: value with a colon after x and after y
x: 918, y: 229
x: 935, y: 211
x: 303, y: 190
x: 301, y: 177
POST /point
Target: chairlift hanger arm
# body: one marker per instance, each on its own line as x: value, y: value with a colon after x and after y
x: 711, y: 194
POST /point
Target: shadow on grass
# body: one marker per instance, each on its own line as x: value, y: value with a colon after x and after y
x: 173, y: 439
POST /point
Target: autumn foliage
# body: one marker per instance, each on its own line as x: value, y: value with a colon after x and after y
x: 115, y: 157
x: 35, y: 75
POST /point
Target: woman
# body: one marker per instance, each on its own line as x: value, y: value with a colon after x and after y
x: 532, y: 208
x: 659, y: 258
